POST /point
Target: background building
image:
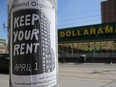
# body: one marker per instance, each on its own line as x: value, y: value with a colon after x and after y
x: 108, y: 11
x: 3, y: 46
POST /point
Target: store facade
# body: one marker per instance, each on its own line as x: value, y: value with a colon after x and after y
x: 96, y: 42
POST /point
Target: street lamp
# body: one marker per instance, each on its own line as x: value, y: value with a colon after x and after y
x: 5, y: 26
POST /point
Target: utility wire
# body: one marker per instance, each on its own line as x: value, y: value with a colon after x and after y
x: 79, y: 18
x: 85, y: 20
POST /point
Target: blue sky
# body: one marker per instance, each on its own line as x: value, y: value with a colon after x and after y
x: 71, y: 13
x: 3, y: 18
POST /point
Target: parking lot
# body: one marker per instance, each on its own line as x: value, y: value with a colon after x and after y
x: 87, y: 75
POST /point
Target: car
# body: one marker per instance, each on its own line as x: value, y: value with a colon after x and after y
x: 82, y: 58
x: 4, y: 62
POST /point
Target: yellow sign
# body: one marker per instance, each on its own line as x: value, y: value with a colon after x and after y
x: 88, y: 32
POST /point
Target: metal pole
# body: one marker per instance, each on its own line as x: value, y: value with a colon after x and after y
x: 72, y: 49
x: 7, y: 40
x: 93, y: 51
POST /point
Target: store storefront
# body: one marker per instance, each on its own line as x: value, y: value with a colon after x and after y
x: 96, y: 42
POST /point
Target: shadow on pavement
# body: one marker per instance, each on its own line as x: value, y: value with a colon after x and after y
x: 104, y: 71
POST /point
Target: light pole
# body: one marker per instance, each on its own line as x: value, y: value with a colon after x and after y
x: 5, y: 26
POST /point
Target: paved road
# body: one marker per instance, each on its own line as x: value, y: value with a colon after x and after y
x: 87, y: 75
x: 80, y: 75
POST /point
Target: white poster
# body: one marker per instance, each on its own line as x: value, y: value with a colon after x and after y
x: 33, y: 43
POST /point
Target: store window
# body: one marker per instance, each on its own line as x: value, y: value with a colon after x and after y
x: 96, y: 49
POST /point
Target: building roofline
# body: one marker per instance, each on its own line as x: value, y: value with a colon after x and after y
x: 2, y: 39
